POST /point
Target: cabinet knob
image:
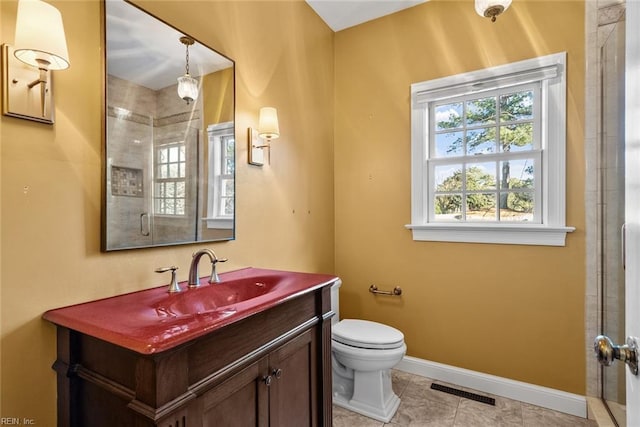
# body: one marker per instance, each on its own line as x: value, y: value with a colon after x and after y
x: 267, y: 380
x: 277, y: 373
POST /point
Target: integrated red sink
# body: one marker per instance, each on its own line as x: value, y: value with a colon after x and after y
x: 155, y: 320
x: 209, y: 297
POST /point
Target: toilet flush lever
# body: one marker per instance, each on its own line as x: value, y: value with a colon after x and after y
x: 606, y: 352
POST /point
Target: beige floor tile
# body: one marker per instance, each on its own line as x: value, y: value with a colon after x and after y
x: 506, y: 413
x: 417, y: 411
x: 399, y: 381
x: 501, y: 403
x: 420, y: 387
x: 344, y: 418
x: 535, y: 416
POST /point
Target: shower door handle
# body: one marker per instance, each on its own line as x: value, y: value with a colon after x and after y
x: 623, y: 244
x: 607, y: 352
x: 144, y: 215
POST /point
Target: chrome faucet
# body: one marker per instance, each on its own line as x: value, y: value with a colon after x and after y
x: 194, y: 275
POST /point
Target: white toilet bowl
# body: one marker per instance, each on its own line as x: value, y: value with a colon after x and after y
x: 363, y: 353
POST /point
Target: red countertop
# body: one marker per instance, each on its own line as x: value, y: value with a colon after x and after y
x: 154, y: 320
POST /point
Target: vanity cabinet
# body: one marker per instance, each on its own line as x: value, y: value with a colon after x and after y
x: 276, y: 390
x: 272, y: 368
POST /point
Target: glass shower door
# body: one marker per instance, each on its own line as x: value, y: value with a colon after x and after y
x: 129, y: 174
x: 612, y: 208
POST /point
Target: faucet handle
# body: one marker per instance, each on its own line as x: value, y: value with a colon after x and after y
x: 173, y: 286
x: 214, y: 273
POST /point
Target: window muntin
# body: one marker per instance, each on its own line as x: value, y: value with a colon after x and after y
x: 170, y: 179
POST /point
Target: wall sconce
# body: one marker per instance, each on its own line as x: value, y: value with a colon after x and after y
x: 187, y: 85
x: 491, y: 8
x: 268, y: 130
x: 40, y: 46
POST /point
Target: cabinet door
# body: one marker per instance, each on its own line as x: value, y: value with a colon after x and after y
x: 240, y: 401
x: 292, y: 398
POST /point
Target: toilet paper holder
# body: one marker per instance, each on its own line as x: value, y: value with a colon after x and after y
x: 397, y: 291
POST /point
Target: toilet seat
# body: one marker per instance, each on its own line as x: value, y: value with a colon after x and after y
x: 366, y: 334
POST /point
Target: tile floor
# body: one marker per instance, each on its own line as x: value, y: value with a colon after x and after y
x: 422, y: 406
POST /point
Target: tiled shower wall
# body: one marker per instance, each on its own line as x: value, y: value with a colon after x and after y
x: 130, y: 112
x: 139, y: 118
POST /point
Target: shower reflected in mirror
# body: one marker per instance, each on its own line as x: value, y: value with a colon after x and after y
x: 169, y: 156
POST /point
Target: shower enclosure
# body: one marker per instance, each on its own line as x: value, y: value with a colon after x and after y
x: 611, y: 203
x: 152, y: 169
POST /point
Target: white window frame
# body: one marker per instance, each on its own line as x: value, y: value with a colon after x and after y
x: 550, y: 230
x: 216, y: 133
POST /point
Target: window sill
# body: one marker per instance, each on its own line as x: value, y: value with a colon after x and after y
x: 491, y: 233
x: 220, y: 223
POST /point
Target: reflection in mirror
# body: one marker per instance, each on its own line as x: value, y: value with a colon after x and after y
x: 169, y: 161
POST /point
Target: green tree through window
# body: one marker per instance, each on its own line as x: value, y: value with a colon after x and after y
x: 492, y: 124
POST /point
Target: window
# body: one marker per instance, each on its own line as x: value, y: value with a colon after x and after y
x: 484, y: 152
x: 170, y: 179
x: 488, y: 155
x: 221, y: 194
x: 225, y: 184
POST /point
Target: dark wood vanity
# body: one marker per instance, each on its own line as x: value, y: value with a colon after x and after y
x: 271, y: 368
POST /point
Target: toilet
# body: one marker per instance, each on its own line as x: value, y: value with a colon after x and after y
x: 362, y: 355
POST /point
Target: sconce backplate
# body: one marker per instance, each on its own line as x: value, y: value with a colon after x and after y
x: 256, y: 148
x: 18, y: 100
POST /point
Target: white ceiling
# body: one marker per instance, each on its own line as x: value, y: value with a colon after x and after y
x: 143, y: 50
x: 341, y: 14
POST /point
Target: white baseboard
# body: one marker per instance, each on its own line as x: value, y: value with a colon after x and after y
x: 545, y: 397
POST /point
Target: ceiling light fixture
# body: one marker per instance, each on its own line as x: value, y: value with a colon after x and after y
x: 491, y: 8
x: 187, y: 85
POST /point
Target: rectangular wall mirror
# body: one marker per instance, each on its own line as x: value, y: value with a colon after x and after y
x: 169, y: 151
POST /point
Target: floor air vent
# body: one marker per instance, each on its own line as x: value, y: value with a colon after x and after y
x: 465, y: 394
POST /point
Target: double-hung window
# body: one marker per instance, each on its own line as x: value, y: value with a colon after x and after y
x: 170, y: 179
x: 488, y: 155
x: 221, y: 186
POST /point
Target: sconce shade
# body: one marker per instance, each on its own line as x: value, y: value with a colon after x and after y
x: 268, y: 123
x: 188, y: 88
x: 491, y: 8
x: 40, y: 36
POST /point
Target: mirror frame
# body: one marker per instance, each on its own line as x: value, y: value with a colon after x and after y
x: 104, y: 160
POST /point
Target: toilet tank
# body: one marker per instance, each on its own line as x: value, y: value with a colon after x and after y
x: 335, y: 301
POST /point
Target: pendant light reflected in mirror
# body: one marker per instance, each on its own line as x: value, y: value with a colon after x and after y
x: 187, y: 85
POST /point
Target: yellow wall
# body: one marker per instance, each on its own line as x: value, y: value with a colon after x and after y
x: 512, y: 311
x: 51, y: 178
x: 218, y: 97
